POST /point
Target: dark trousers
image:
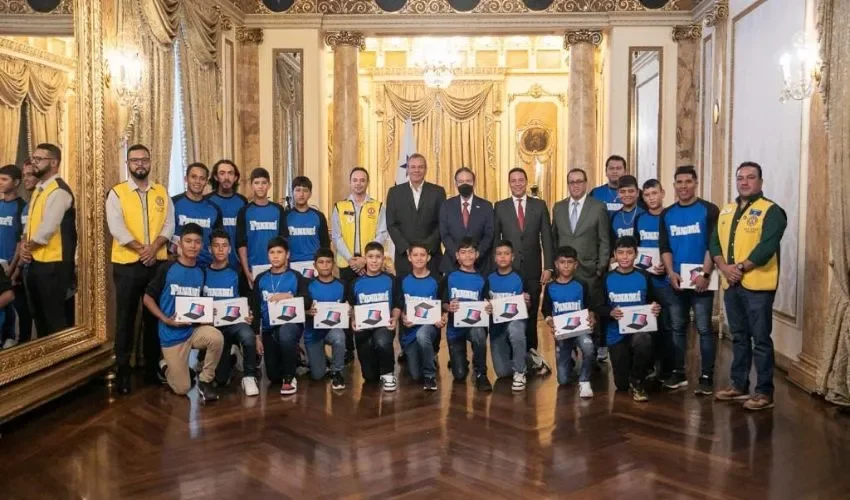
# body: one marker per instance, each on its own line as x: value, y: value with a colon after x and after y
x: 750, y: 316
x: 631, y: 360
x: 242, y: 335
x: 533, y: 287
x: 48, y: 284
x: 663, y: 346
x: 131, y: 280
x: 347, y: 276
x: 375, y: 352
x: 280, y: 345
x: 22, y: 309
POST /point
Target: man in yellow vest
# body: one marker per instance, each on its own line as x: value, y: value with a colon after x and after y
x: 51, y: 243
x: 745, y: 248
x: 140, y: 217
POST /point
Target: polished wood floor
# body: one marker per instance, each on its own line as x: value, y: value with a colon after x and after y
x: 456, y: 443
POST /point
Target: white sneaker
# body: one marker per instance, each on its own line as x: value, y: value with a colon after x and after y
x: 388, y: 382
x: 519, y: 382
x: 10, y: 343
x: 602, y: 354
x: 249, y: 386
x: 584, y: 390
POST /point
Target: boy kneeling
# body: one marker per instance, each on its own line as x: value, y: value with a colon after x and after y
x: 325, y: 288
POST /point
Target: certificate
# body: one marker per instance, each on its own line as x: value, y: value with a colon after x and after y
x: 421, y: 311
x: 637, y: 319
x: 260, y: 269
x: 304, y: 268
x: 193, y: 309
x: 691, y: 272
x: 571, y: 324
x: 230, y: 311
x: 647, y: 258
x: 507, y: 309
x: 330, y: 315
x: 471, y: 314
x: 368, y: 316
x: 287, y: 311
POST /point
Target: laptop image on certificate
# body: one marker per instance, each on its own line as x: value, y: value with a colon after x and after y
x: 231, y: 313
x: 373, y: 317
x: 638, y: 321
x: 572, y: 323
x: 309, y: 273
x: 511, y: 310
x: 332, y: 319
x: 696, y: 273
x: 644, y: 262
x: 195, y: 311
x: 287, y: 313
x: 472, y: 316
x: 421, y: 310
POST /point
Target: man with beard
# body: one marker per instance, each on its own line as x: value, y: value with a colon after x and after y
x: 224, y: 181
x: 466, y: 215
x: 192, y: 208
x: 140, y: 217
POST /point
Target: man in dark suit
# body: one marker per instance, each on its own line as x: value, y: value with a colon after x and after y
x: 413, y: 214
x: 466, y: 215
x: 524, y: 221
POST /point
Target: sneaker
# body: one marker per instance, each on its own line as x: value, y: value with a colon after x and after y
x: 337, y: 381
x: 122, y: 380
x: 731, y: 394
x: 519, y: 382
x: 160, y: 373
x: 207, y: 391
x: 535, y: 360
x: 759, y: 402
x: 10, y: 343
x: 584, y: 390
x: 289, y: 386
x: 639, y: 394
x: 429, y: 384
x: 602, y: 354
x: 544, y: 369
x: 676, y: 381
x: 349, y: 357
x: 482, y: 383
x: 402, y: 358
x: 705, y: 387
x: 249, y: 386
x: 388, y: 382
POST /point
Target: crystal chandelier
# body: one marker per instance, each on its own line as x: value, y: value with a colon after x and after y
x: 437, y: 58
x: 800, y: 69
x: 125, y: 73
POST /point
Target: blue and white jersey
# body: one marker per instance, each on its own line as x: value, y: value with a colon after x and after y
x: 10, y: 227
x: 321, y: 291
x: 607, y: 195
x: 230, y: 207
x: 269, y: 283
x: 368, y: 289
x: 308, y: 231
x: 463, y: 286
x: 561, y: 298
x: 203, y: 213
x: 255, y: 226
x: 623, y: 223
x: 500, y: 286
x: 221, y: 284
x: 646, y: 232
x: 685, y: 230
x: 175, y: 280
x: 414, y: 289
x: 623, y: 290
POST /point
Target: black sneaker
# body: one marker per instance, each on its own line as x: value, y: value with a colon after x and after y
x: 429, y: 384
x: 402, y: 358
x: 160, y: 373
x: 705, y: 387
x: 122, y: 380
x: 482, y: 383
x: 337, y: 381
x: 207, y: 391
x: 349, y: 357
x: 675, y: 381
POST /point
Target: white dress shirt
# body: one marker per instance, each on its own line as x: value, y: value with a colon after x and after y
x: 580, y: 204
x: 417, y: 193
x: 524, y: 201
x: 115, y: 215
x: 336, y: 229
x: 467, y: 200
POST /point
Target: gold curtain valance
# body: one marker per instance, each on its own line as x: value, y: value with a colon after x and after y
x: 459, y: 107
x: 14, y: 82
x: 46, y: 87
x: 161, y: 17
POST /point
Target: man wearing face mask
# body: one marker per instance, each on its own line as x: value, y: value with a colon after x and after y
x: 140, y: 217
x: 466, y: 215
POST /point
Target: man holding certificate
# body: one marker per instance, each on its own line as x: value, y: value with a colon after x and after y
x: 323, y: 292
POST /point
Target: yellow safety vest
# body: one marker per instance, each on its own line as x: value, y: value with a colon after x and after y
x: 131, y: 206
x: 65, y: 234
x: 747, y: 236
x: 351, y: 223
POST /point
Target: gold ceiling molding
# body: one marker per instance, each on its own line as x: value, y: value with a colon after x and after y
x: 536, y: 91
x: 21, y: 7
x: 687, y: 32
x: 249, y: 35
x: 593, y: 37
x: 334, y: 39
x: 6, y: 43
x: 460, y: 74
x: 719, y: 12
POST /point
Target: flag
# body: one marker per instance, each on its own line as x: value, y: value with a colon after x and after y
x: 408, y: 147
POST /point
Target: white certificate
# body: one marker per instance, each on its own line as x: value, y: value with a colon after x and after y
x: 304, y: 268
x: 330, y: 315
x: 421, y: 311
x: 691, y: 272
x: 368, y: 316
x: 471, y: 314
x: 507, y: 309
x: 571, y: 324
x: 287, y: 311
x: 637, y: 319
x: 230, y: 311
x: 647, y: 258
x: 193, y: 309
x: 260, y: 269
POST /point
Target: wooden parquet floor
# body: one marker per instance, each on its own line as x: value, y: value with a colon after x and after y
x: 456, y: 443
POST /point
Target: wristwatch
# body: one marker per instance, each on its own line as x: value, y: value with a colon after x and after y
x: 706, y: 275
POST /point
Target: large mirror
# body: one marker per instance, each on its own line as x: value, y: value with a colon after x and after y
x: 288, y: 116
x: 645, y: 69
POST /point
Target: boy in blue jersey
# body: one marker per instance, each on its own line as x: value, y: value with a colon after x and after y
x: 192, y: 208
x: 11, y: 206
x: 25, y: 322
x: 466, y: 284
x: 325, y: 288
x: 623, y: 220
x: 307, y: 227
x: 183, y: 278
x: 375, y: 345
x: 507, y: 340
x: 256, y: 224
x: 615, y: 167
x: 280, y: 342
x: 684, y: 231
x: 564, y: 295
x: 222, y: 283
x: 418, y: 341
x: 224, y: 181
x: 631, y: 354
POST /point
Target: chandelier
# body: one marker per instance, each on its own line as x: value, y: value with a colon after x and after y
x: 437, y: 58
x: 125, y: 73
x: 800, y: 69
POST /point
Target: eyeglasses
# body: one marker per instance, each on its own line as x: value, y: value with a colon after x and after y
x: 39, y: 159
x: 576, y: 183
x: 139, y: 161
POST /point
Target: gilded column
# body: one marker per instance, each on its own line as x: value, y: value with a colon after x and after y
x: 248, y: 101
x: 688, y: 38
x: 581, y: 100
x: 718, y: 19
x: 346, y: 45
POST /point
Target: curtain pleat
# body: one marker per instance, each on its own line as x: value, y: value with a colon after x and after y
x: 47, y: 86
x: 14, y: 82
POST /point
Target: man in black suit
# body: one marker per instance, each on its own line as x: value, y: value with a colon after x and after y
x: 413, y: 214
x: 524, y: 221
x: 466, y: 215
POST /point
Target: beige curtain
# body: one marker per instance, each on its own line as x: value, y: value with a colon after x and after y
x: 834, y: 376
x: 45, y: 97
x: 14, y: 82
x: 453, y: 128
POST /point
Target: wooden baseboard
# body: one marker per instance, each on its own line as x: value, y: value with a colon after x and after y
x: 42, y: 387
x: 804, y: 374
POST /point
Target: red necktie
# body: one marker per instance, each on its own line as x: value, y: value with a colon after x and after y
x: 520, y: 215
x: 466, y: 214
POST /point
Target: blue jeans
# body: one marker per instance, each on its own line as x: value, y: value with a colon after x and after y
x: 507, y: 347
x: 564, y: 357
x: 663, y: 346
x: 680, y: 313
x: 281, y: 351
x: 316, y: 353
x: 239, y: 334
x: 750, y: 316
x: 421, y: 360
x: 457, y: 352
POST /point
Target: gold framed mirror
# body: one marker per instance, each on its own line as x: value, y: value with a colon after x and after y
x: 646, y: 66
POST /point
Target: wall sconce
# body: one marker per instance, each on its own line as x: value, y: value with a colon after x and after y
x: 801, y: 69
x: 125, y: 74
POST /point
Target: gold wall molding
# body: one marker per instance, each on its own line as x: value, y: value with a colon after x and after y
x: 21, y: 7
x: 460, y: 74
x: 223, y: 19
x: 719, y: 12
x: 536, y: 91
x: 687, y: 32
x: 593, y: 37
x: 334, y: 39
x: 249, y: 35
x: 9, y: 44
